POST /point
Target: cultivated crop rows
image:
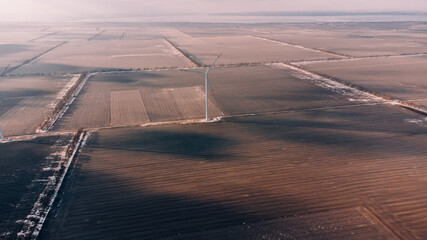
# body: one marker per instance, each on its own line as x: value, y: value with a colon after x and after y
x: 165, y: 181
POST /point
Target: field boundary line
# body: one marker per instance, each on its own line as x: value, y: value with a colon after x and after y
x: 304, y: 62
x: 63, y: 104
x: 31, y: 60
x: 96, y: 35
x: 188, y: 56
x: 220, y: 118
x: 302, y: 47
x: 43, y: 36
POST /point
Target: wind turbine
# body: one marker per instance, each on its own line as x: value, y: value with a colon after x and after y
x: 3, y: 139
x: 207, y: 83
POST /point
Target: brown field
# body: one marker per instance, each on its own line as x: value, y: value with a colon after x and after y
x: 300, y: 168
x: 161, y: 106
x: 294, y: 156
x: 24, y: 171
x: 361, y: 223
x: 90, y: 110
x: 401, y: 77
x: 27, y: 102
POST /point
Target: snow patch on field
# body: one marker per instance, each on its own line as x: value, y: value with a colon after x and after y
x: 77, y: 92
x: 418, y: 121
x: 64, y: 91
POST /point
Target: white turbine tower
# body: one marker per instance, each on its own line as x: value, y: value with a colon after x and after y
x: 207, y: 83
x: 3, y: 139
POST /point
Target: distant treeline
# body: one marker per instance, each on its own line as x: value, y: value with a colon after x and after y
x: 318, y: 13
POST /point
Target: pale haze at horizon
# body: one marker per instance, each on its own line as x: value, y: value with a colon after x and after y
x: 62, y: 10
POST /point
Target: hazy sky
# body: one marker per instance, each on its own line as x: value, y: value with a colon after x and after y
x: 50, y: 10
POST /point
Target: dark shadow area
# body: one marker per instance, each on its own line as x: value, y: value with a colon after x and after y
x: 129, y: 78
x: 146, y: 196
x: 21, y: 164
x: 7, y: 103
x: 343, y: 131
x: 49, y: 68
x: 116, y: 211
x: 164, y: 79
x: 6, y: 49
x: 194, y: 145
x: 24, y: 92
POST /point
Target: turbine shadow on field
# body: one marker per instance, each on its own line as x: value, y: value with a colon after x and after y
x: 25, y: 92
x: 189, y: 144
x: 129, y: 78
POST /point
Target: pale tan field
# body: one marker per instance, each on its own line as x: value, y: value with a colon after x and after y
x: 243, y: 49
x: 401, y: 77
x: 26, y: 116
x: 177, y: 103
x: 21, y: 32
x: 27, y: 102
x: 348, y: 43
x: 20, y: 53
x: 86, y: 55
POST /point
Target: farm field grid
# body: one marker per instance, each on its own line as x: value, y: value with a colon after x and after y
x: 315, y: 131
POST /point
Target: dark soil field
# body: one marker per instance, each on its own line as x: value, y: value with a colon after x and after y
x: 400, y: 77
x: 268, y: 89
x: 340, y: 172
x: 25, y: 168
